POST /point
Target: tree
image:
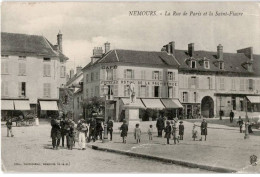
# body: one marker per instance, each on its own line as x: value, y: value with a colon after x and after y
x: 93, y: 105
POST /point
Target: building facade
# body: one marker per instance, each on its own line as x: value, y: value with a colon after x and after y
x: 32, y: 71
x: 214, y: 82
x: 153, y: 75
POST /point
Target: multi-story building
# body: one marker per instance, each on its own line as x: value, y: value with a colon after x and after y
x: 154, y: 75
x: 214, y: 82
x: 32, y: 71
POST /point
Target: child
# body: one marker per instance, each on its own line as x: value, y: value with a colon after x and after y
x: 137, y: 133
x: 9, y: 127
x: 168, y: 130
x: 194, y: 132
x: 181, y: 130
x: 150, y: 132
x: 124, y: 130
x: 174, y: 133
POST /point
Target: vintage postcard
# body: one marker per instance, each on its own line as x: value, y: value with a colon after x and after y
x: 130, y: 87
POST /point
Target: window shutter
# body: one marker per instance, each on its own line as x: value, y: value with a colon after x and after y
x: 133, y: 74
x: 173, y: 76
x: 160, y: 75
x: 6, y: 89
x: 125, y: 73
x: 147, y: 91
x: 189, y: 97
x: 115, y: 93
x: 139, y: 90
x: 20, y: 69
x: 174, y: 92
x: 210, y: 83
x: 44, y: 70
x: 49, y: 70
x: 114, y: 74
x: 24, y: 68
x: 19, y: 88
x: 160, y: 91
x: 44, y: 90
x: 197, y: 82
x: 247, y: 84
x: 253, y: 86
x: 49, y: 90
x: 197, y: 97
x: 152, y: 91
x: 153, y: 75
x: 189, y: 82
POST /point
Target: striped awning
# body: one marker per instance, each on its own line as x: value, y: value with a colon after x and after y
x: 171, y: 103
x: 254, y: 99
x: 49, y: 105
x: 7, y: 105
x: 153, y: 103
x: 21, y: 104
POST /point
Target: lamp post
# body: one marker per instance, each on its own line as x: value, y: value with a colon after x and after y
x: 105, y: 137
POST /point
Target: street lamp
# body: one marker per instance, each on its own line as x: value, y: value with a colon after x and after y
x: 105, y: 137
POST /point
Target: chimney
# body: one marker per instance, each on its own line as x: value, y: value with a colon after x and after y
x: 56, y: 47
x: 220, y: 52
x: 191, y: 49
x: 71, y: 73
x: 59, y: 41
x: 107, y: 47
x: 78, y: 69
x: 168, y: 48
x: 163, y: 48
x: 172, y: 48
x: 248, y: 52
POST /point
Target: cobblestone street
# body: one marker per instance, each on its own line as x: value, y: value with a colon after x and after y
x: 30, y: 151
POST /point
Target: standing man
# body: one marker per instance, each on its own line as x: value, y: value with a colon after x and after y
x: 160, y: 126
x: 92, y: 129
x: 181, y: 130
x: 82, y: 128
x: 231, y: 116
x: 203, y: 128
x: 110, y: 127
x: 240, y: 123
x: 64, y: 124
x: 9, y: 127
x: 55, y: 133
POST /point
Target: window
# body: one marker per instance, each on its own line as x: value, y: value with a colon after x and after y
x: 86, y: 77
x: 91, y: 92
x: 193, y: 81
x: 46, y: 90
x: 206, y: 64
x: 193, y: 64
x: 126, y: 91
x: 221, y: 65
x: 143, y: 75
x: 195, y: 97
x: 174, y: 92
x: 251, y: 84
x: 22, y: 69
x: 156, y: 91
x: 4, y: 67
x: 156, y: 75
x: 91, y: 77
x: 233, y: 84
x: 129, y: 74
x: 96, y: 90
x: 185, y: 97
x: 46, y: 59
x: 170, y: 92
x: 22, y: 89
x: 143, y: 91
x: 4, y: 88
x: 234, y: 102
x: 87, y: 93
x: 242, y: 84
x: 62, y: 71
x: 46, y: 70
x: 170, y: 76
x: 221, y: 82
x: 209, y: 79
x: 97, y: 77
x: 109, y: 74
x: 4, y: 56
x: 22, y: 57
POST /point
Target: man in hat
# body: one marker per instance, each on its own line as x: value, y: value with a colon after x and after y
x: 168, y: 130
x: 160, y: 126
x: 92, y: 129
x: 203, y: 127
x: 181, y: 130
x: 231, y: 116
x: 110, y: 127
x: 55, y: 133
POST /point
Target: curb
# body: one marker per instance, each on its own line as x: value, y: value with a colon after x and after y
x: 167, y: 160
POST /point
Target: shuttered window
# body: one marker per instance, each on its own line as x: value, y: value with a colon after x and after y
x: 97, y: 76
x: 174, y: 94
x: 46, y: 70
x: 91, y: 92
x: 62, y: 71
x: 46, y: 90
x: 96, y: 90
x: 185, y: 97
x: 242, y: 84
x: 22, y: 69
x: 250, y: 84
x: 4, y: 67
x: 233, y: 84
x: 4, y: 88
x: 115, y: 92
x: 21, y: 88
x: 143, y: 75
x: 222, y: 83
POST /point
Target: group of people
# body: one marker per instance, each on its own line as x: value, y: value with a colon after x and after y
x: 65, y: 128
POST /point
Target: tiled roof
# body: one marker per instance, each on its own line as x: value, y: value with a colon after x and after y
x: 140, y: 57
x: 232, y: 61
x: 17, y: 44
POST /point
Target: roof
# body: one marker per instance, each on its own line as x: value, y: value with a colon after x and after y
x: 137, y: 58
x: 232, y: 62
x: 18, y: 44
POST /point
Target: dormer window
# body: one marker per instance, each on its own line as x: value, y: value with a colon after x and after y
x: 193, y: 64
x: 221, y: 65
x: 46, y: 59
x: 206, y: 64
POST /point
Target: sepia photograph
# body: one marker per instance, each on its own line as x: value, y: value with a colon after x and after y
x: 130, y: 87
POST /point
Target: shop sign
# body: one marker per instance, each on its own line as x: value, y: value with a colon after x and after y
x: 109, y: 67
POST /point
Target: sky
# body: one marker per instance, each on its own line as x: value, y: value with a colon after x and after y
x: 86, y: 25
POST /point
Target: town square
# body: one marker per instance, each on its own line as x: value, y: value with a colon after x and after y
x: 85, y: 92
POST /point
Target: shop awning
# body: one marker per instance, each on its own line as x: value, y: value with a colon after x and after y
x: 153, y: 103
x: 49, y: 105
x: 138, y: 103
x: 254, y: 99
x: 171, y: 103
x: 21, y: 105
x: 7, y: 105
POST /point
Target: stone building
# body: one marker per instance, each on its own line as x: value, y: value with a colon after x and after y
x: 214, y: 82
x: 32, y: 71
x: 153, y: 75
